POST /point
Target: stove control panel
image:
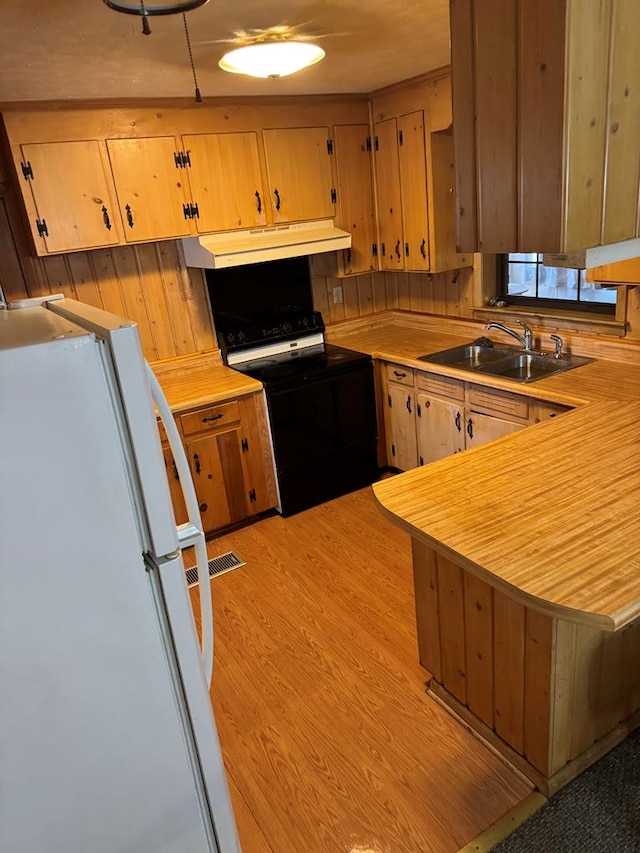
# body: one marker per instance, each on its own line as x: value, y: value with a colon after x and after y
x: 281, y: 330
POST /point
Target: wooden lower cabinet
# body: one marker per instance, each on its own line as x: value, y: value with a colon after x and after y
x: 429, y: 416
x: 551, y: 695
x: 228, y: 452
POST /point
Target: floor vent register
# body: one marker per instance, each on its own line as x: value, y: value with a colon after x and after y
x: 218, y: 566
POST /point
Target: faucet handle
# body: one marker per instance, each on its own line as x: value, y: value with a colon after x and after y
x: 558, y: 342
x: 528, y: 335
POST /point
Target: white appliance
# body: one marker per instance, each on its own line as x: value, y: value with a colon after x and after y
x: 107, y: 737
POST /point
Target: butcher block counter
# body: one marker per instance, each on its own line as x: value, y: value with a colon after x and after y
x: 526, y: 556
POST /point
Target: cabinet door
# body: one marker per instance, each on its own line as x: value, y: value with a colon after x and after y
x: 299, y: 173
x: 413, y: 190
x: 442, y: 208
x: 259, y: 476
x: 400, y: 427
x: 72, y: 191
x: 355, y: 195
x: 225, y: 180
x: 389, y: 200
x: 150, y: 188
x: 440, y: 427
x: 482, y: 428
x: 177, y: 498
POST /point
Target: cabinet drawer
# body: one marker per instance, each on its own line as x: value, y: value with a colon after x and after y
x: 441, y: 386
x: 399, y: 374
x: 210, y: 418
x: 491, y: 401
x: 539, y: 410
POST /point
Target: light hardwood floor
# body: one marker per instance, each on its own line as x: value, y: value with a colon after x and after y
x: 329, y: 740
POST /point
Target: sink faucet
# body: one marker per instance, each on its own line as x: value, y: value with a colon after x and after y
x: 526, y: 340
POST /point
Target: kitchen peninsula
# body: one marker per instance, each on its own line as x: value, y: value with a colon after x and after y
x: 527, y: 568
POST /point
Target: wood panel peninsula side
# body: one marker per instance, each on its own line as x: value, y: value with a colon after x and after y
x: 526, y: 555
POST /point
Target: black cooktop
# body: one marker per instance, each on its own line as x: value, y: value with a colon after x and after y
x: 301, y: 365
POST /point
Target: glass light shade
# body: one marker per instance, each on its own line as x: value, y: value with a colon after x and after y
x: 271, y: 58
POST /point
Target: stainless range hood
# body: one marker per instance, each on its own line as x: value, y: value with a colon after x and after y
x: 233, y: 248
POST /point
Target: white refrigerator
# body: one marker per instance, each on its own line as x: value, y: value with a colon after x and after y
x: 107, y: 737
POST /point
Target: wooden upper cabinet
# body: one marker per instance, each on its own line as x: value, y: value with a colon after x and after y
x: 151, y: 187
x: 546, y: 123
x: 623, y: 272
x: 355, y: 195
x: 299, y: 173
x: 391, y: 250
x: 442, y: 213
x: 413, y: 188
x: 72, y: 193
x: 226, y: 182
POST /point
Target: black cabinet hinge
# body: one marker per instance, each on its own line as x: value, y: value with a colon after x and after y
x: 368, y: 143
x: 419, y: 410
x: 389, y: 400
x: 374, y: 250
x: 190, y: 211
x: 400, y: 138
x: 375, y: 143
x: 41, y: 225
x: 245, y: 445
x: 393, y: 450
x: 329, y: 146
x: 27, y: 171
x: 421, y: 461
x: 182, y: 159
x: 334, y: 196
x: 252, y: 496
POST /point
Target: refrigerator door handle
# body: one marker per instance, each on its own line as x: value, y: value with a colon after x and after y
x: 190, y: 533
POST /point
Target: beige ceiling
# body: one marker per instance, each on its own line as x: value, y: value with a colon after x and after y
x: 81, y: 49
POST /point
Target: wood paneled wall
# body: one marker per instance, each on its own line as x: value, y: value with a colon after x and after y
x: 447, y: 294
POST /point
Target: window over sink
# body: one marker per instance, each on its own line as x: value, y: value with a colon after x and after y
x: 523, y: 279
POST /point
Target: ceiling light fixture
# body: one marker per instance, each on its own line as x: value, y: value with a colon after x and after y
x: 147, y: 10
x: 277, y: 58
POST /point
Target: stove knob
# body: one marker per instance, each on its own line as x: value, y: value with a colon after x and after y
x: 285, y: 328
x: 242, y: 337
x: 231, y: 339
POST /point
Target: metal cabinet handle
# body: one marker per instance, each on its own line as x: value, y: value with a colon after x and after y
x: 277, y: 195
x: 422, y: 248
x: 212, y: 418
x: 458, y: 422
x: 470, y: 428
x: 409, y: 403
x: 259, y: 202
x: 196, y: 459
x: 399, y: 374
x: 129, y: 215
x: 398, y: 248
x: 105, y: 218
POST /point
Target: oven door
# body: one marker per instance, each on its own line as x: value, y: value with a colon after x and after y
x: 324, y: 436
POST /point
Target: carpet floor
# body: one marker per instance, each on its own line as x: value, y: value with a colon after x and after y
x: 596, y: 813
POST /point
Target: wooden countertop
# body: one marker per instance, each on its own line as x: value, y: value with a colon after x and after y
x: 550, y: 514
x: 201, y: 379
x: 615, y: 376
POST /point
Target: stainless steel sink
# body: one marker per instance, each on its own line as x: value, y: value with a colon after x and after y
x: 507, y: 362
x: 469, y: 356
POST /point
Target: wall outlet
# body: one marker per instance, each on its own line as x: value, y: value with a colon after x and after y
x: 337, y: 295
